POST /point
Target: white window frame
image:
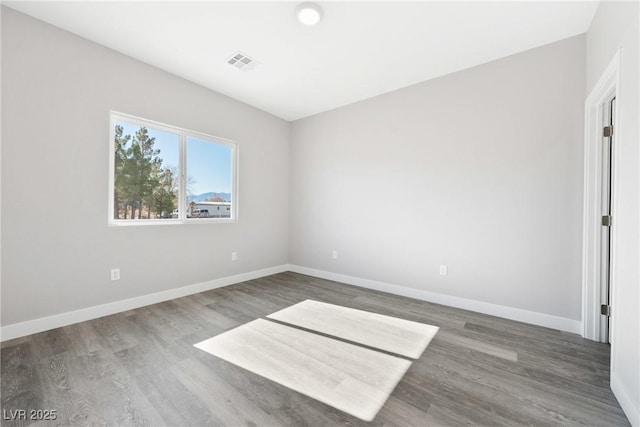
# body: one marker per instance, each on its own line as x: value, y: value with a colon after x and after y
x: 115, y: 116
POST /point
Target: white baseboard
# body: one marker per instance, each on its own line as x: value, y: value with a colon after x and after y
x: 630, y: 408
x: 29, y: 327
x: 540, y: 319
x: 17, y: 330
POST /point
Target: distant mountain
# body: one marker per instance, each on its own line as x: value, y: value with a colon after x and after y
x: 204, y: 196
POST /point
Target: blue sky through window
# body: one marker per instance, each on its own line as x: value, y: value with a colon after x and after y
x: 208, y: 164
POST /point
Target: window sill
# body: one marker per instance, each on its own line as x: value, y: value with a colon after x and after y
x: 189, y: 221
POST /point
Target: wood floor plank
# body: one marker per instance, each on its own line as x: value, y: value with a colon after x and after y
x: 21, y: 384
x: 65, y: 395
x: 479, y: 345
x: 184, y: 405
x: 112, y: 330
x: 163, y: 405
x: 292, y: 409
x: 397, y: 412
x: 506, y: 392
x: 197, y: 307
x: 84, y: 338
x: 50, y: 343
x: 372, y: 303
x: 391, y: 334
x: 352, y: 378
x: 227, y: 308
x: 229, y: 404
x: 533, y: 342
x: 140, y: 367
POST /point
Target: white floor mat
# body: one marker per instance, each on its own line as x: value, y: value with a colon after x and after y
x: 353, y: 379
x: 388, y: 333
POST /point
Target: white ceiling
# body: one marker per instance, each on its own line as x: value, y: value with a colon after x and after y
x: 359, y: 50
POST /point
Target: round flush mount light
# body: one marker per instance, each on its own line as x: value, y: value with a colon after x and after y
x: 308, y: 13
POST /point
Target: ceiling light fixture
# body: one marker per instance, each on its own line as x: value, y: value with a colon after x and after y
x: 308, y: 13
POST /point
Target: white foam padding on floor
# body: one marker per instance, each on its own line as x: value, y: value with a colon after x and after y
x: 348, y: 377
x: 399, y: 336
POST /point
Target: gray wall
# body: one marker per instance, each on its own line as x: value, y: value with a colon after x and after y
x: 615, y: 26
x: 57, y: 90
x: 480, y: 170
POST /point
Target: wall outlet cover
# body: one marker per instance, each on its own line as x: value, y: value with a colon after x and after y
x: 443, y: 270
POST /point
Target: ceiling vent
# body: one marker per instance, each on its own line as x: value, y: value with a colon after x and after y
x: 241, y: 61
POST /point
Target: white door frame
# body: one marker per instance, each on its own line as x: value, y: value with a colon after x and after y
x: 606, y: 87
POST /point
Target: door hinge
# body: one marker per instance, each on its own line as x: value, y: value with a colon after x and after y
x: 606, y: 220
x: 608, y: 131
x: 605, y: 310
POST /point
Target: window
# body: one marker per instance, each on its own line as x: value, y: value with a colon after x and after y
x: 164, y: 174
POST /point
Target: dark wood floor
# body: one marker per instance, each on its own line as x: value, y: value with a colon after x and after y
x: 140, y: 368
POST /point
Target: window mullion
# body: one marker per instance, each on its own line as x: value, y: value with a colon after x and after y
x: 182, y: 202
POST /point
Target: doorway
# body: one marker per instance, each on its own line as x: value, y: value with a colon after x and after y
x: 600, y: 201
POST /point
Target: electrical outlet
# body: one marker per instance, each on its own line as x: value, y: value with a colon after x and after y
x: 234, y: 256
x: 443, y: 270
x: 334, y: 254
x: 115, y: 274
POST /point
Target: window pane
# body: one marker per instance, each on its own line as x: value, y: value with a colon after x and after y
x: 209, y: 169
x: 146, y: 183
